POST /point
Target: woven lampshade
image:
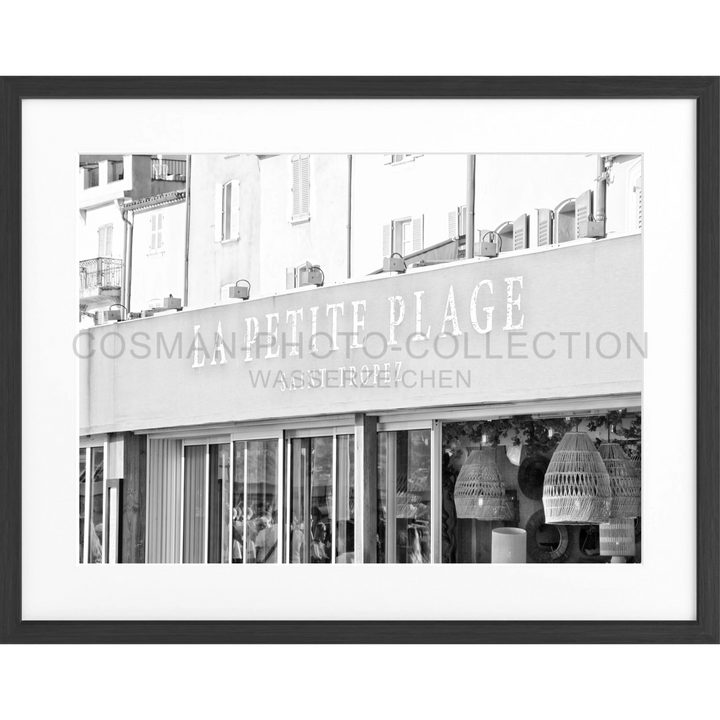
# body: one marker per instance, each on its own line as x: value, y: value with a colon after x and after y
x: 617, y: 537
x: 576, y: 489
x: 480, y: 490
x: 624, y: 482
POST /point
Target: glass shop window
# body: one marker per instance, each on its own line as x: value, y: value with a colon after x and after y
x: 322, y: 500
x: 91, y: 495
x: 403, y: 497
x: 255, y: 498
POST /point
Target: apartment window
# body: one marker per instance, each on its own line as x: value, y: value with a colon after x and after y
x: 457, y: 222
x: 156, y: 232
x: 404, y: 236
x: 227, y: 211
x: 400, y: 158
x: 105, y: 238
x: 300, y: 188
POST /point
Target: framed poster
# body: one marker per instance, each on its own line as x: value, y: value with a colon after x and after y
x: 321, y: 456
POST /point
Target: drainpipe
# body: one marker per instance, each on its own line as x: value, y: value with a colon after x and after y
x: 127, y: 266
x: 187, y: 231
x: 600, y: 191
x: 349, y: 218
x: 470, y: 203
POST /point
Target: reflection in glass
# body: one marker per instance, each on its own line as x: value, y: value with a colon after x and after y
x: 82, y: 504
x: 255, y: 530
x: 311, y: 500
x: 403, y: 497
x: 194, y: 505
x: 219, y: 504
x: 345, y: 534
x: 96, y: 509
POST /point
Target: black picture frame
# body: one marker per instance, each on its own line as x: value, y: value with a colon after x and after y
x: 705, y: 91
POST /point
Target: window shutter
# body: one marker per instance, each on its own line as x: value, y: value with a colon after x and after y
x: 289, y: 278
x: 544, y: 228
x: 305, y: 206
x: 296, y: 204
x: 101, y: 242
x: 520, y: 232
x: 387, y: 240
x: 417, y: 231
x: 219, y: 199
x: 108, y: 240
x: 453, y: 224
x: 159, y: 241
x: 235, y: 209
x: 153, y: 232
x: 583, y: 210
x: 638, y: 189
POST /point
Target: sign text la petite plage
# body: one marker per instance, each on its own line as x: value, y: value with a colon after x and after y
x: 349, y: 326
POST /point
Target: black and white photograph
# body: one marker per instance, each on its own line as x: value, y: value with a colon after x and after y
x: 411, y: 358
x: 359, y: 359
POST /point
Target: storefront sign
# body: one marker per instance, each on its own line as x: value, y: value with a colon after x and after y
x: 559, y: 323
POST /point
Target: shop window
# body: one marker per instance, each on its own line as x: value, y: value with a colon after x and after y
x: 403, y: 497
x: 322, y: 504
x: 255, y: 503
x: 92, y: 506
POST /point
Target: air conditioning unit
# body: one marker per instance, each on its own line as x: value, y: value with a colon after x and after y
x: 394, y: 263
x: 172, y: 303
x: 107, y: 316
x: 239, y: 292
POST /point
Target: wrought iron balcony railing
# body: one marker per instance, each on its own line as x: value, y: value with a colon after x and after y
x: 101, y: 273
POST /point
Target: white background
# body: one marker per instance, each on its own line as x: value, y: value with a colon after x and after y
x: 55, y: 587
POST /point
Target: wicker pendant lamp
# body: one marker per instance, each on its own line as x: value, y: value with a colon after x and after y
x: 624, y: 481
x: 480, y: 490
x: 617, y: 538
x: 576, y: 490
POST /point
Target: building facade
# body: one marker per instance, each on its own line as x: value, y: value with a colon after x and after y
x: 331, y: 424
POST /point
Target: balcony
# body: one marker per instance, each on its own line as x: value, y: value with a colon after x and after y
x: 100, y: 281
x: 173, y: 170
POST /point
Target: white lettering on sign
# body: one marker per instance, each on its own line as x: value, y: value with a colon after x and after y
x: 334, y: 308
x: 358, y: 323
x: 294, y: 315
x: 361, y: 336
x: 513, y: 303
x: 395, y: 319
x: 418, y: 318
x: 252, y: 328
x: 219, y: 348
x: 272, y: 335
x: 488, y: 310
x: 451, y: 314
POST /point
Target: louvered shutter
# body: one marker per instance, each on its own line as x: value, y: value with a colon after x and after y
x: 296, y: 172
x: 109, y: 240
x: 417, y: 231
x: 289, y: 278
x: 234, y: 209
x: 305, y: 180
x: 638, y: 189
x: 453, y: 224
x: 159, y: 239
x: 153, y: 232
x: 101, y: 242
x: 520, y: 232
x: 583, y: 210
x: 387, y: 240
x: 544, y: 227
x: 219, y: 200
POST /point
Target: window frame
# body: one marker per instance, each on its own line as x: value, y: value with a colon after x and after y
x: 89, y: 444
